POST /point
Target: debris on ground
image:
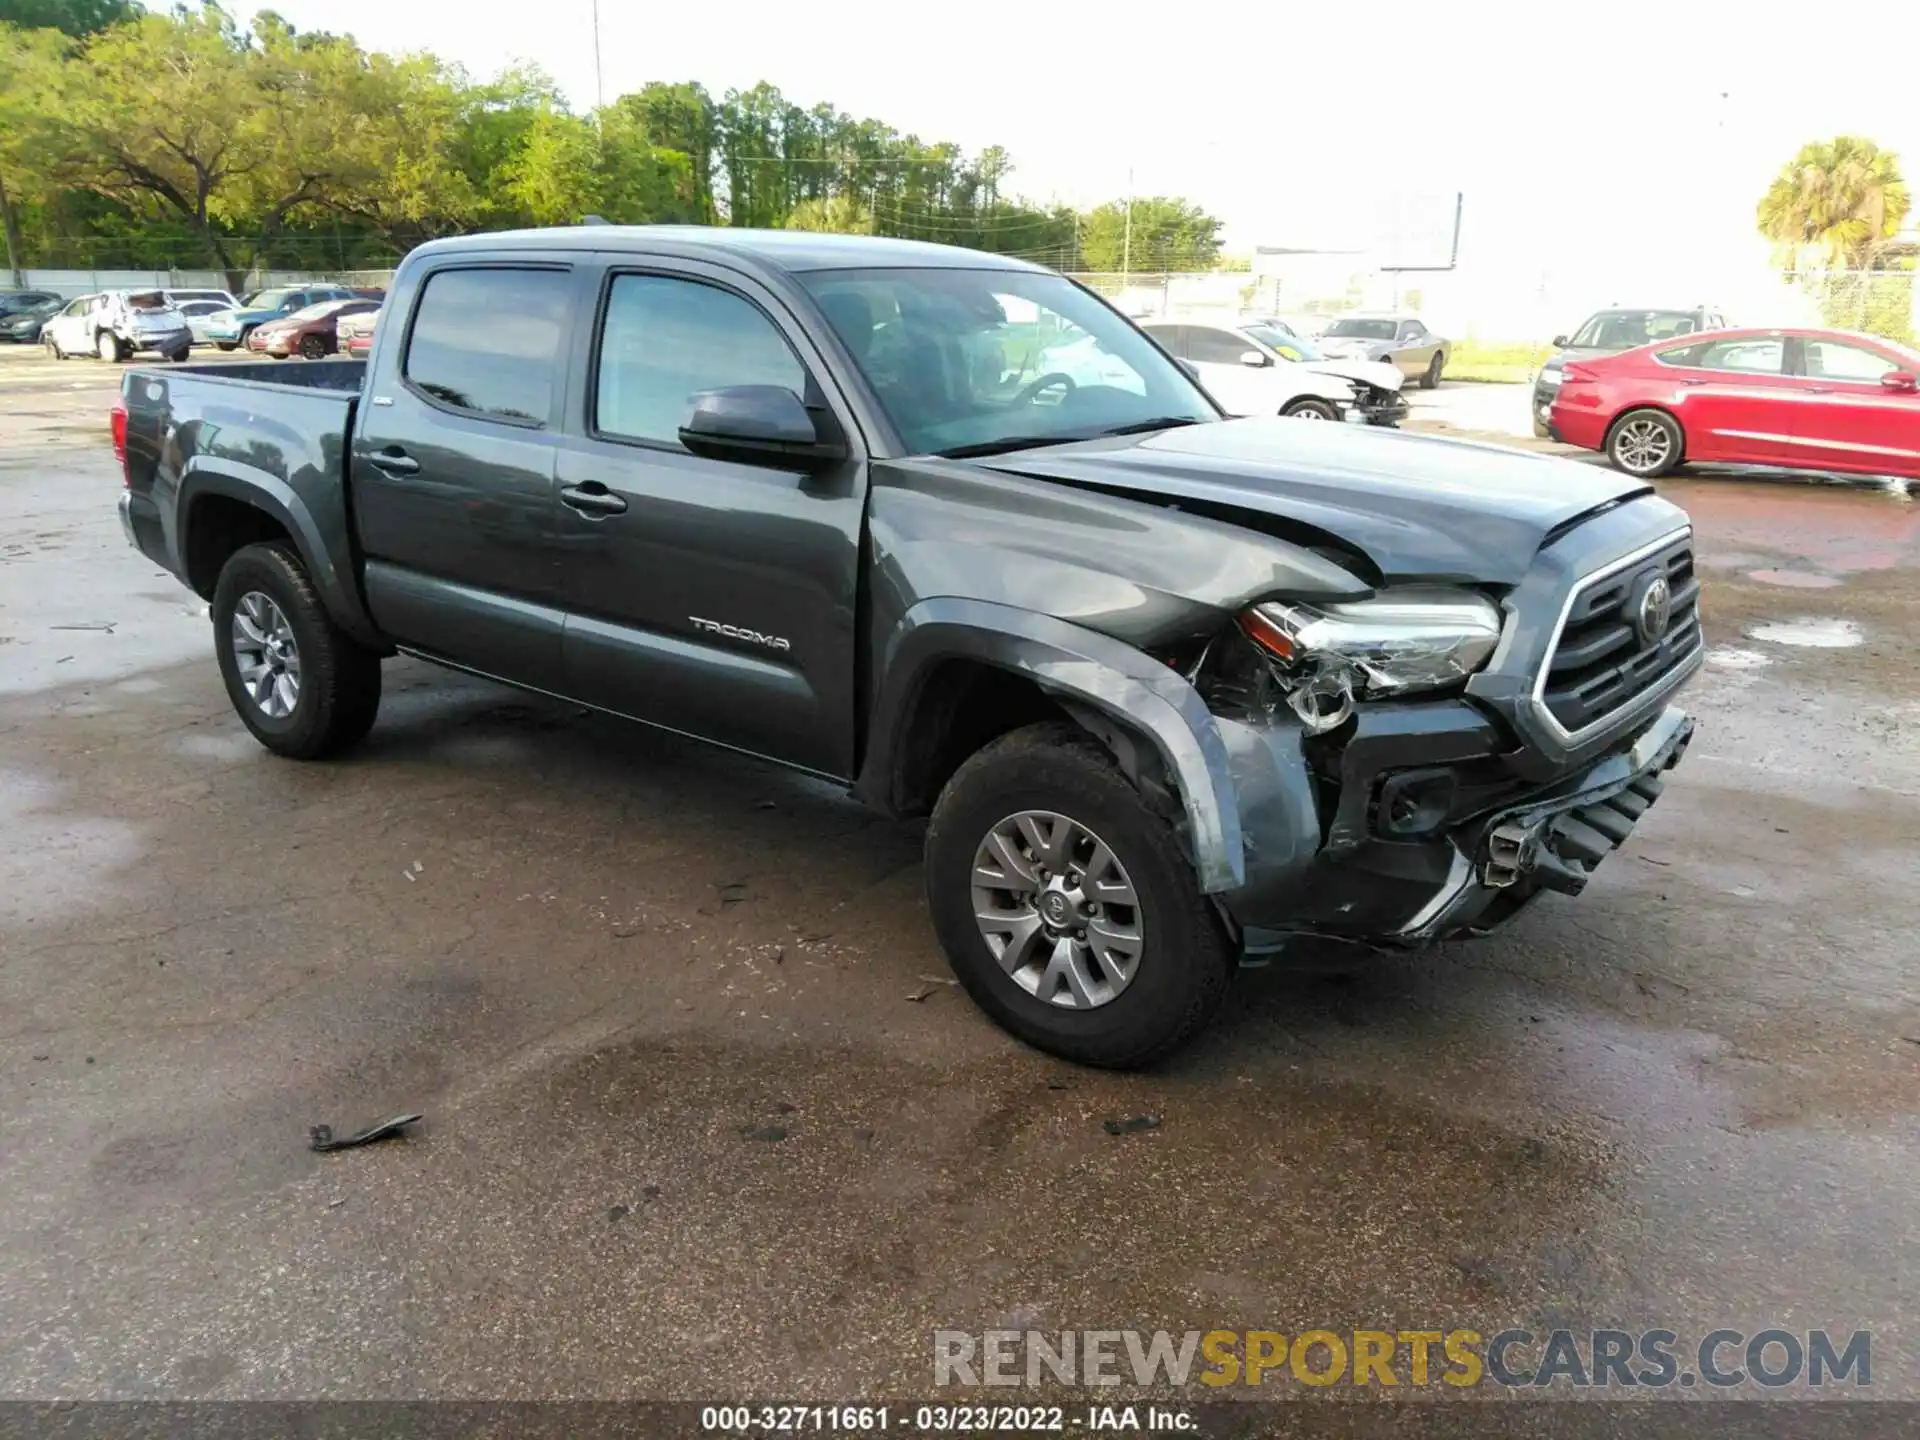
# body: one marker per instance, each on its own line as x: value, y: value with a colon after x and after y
x: 321, y: 1136
x: 763, y: 1132
x: 1132, y: 1125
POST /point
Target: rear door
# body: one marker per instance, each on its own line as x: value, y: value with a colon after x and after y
x: 453, y: 467
x: 1733, y: 398
x: 704, y: 595
x: 1847, y: 418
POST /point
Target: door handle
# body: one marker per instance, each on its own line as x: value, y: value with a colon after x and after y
x: 1818, y: 390
x: 593, y: 500
x: 394, y: 462
x: 1693, y: 382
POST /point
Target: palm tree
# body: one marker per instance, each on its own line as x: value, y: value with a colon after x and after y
x: 1840, y: 201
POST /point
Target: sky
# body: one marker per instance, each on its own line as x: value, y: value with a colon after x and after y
x: 1624, y: 144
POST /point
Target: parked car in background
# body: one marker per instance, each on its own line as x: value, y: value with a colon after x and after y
x: 18, y: 302
x: 1403, y: 341
x: 308, y: 333
x: 229, y: 329
x: 1377, y: 385
x: 1247, y: 378
x: 1609, y: 332
x: 200, y: 315
x: 1807, y: 399
x: 354, y: 333
x: 22, y: 325
x: 115, y: 324
x: 222, y: 299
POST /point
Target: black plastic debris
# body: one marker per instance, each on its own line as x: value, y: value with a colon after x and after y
x: 322, y: 1135
x: 1132, y: 1125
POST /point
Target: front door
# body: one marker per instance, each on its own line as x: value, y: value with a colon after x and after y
x: 453, y: 469
x: 1847, y: 418
x: 704, y: 595
x: 1219, y: 355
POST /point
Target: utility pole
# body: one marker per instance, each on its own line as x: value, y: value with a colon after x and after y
x: 1126, y: 243
x: 599, y: 85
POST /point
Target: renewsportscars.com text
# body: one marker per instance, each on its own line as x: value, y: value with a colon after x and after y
x: 1770, y: 1358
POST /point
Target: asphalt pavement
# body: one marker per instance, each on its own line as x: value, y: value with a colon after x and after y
x: 705, y: 1119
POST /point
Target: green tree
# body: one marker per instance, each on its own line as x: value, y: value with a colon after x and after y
x: 1838, y: 200
x: 30, y: 63
x: 837, y: 214
x: 75, y: 18
x: 1833, y: 213
x: 1154, y: 232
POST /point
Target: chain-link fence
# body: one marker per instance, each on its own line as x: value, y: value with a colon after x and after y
x: 1876, y: 302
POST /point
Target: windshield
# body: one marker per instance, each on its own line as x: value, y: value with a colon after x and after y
x: 268, y: 299
x: 964, y: 358
x: 1288, y: 347
x: 1625, y: 329
x: 1361, y: 329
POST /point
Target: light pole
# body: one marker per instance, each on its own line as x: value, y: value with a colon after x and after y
x: 1126, y: 240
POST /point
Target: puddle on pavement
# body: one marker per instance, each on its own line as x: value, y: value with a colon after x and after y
x: 57, y: 862
x: 1795, y: 579
x: 1731, y: 657
x: 1814, y: 633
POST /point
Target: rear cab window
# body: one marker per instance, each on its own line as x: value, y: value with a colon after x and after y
x: 487, y: 341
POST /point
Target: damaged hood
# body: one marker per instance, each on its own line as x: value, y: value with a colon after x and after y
x: 1418, y: 506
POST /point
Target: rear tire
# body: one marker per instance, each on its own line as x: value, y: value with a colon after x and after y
x: 225, y: 345
x: 335, y: 693
x: 1645, y: 443
x: 1311, y: 410
x: 1431, y: 379
x: 313, y: 347
x: 1182, y: 959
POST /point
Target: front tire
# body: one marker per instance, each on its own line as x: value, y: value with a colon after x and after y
x: 1645, y: 443
x: 302, y: 686
x: 108, y: 347
x: 54, y: 352
x: 225, y: 345
x: 313, y: 347
x: 1311, y: 410
x: 1431, y: 379
x: 1067, y: 907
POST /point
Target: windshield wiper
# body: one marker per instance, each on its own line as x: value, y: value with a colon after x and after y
x: 1159, y: 422
x: 1033, y: 442
x: 1010, y: 442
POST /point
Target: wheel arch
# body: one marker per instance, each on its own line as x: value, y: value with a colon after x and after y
x: 1147, y: 715
x: 223, y: 507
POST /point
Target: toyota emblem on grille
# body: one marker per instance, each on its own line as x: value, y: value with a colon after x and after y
x: 1654, y: 612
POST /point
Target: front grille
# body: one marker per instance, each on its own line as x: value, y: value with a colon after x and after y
x: 1604, y: 659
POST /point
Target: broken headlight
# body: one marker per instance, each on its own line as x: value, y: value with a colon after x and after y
x: 1404, y: 641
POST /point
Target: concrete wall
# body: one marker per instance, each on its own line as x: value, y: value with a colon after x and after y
x: 84, y: 282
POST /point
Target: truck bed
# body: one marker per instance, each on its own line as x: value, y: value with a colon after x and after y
x: 265, y: 439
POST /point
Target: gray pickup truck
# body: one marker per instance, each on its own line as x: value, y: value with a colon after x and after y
x: 1174, y: 689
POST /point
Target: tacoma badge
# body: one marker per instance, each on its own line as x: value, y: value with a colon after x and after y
x: 736, y: 632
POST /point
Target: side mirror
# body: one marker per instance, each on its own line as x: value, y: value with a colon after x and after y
x: 1192, y: 370
x: 1900, y: 382
x: 1559, y: 342
x: 1254, y: 360
x: 760, y: 425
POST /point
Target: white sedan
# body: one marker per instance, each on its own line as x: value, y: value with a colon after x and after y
x: 1254, y: 369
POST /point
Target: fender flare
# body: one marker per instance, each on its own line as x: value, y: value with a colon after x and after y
x: 1086, y: 671
x: 207, y: 475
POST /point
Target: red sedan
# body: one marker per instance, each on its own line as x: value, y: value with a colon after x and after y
x: 1806, y: 399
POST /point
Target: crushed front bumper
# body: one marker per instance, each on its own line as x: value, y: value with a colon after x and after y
x: 1429, y: 829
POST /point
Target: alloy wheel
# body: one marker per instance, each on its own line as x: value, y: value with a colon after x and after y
x: 267, y: 656
x: 1057, y: 909
x: 1642, y: 445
